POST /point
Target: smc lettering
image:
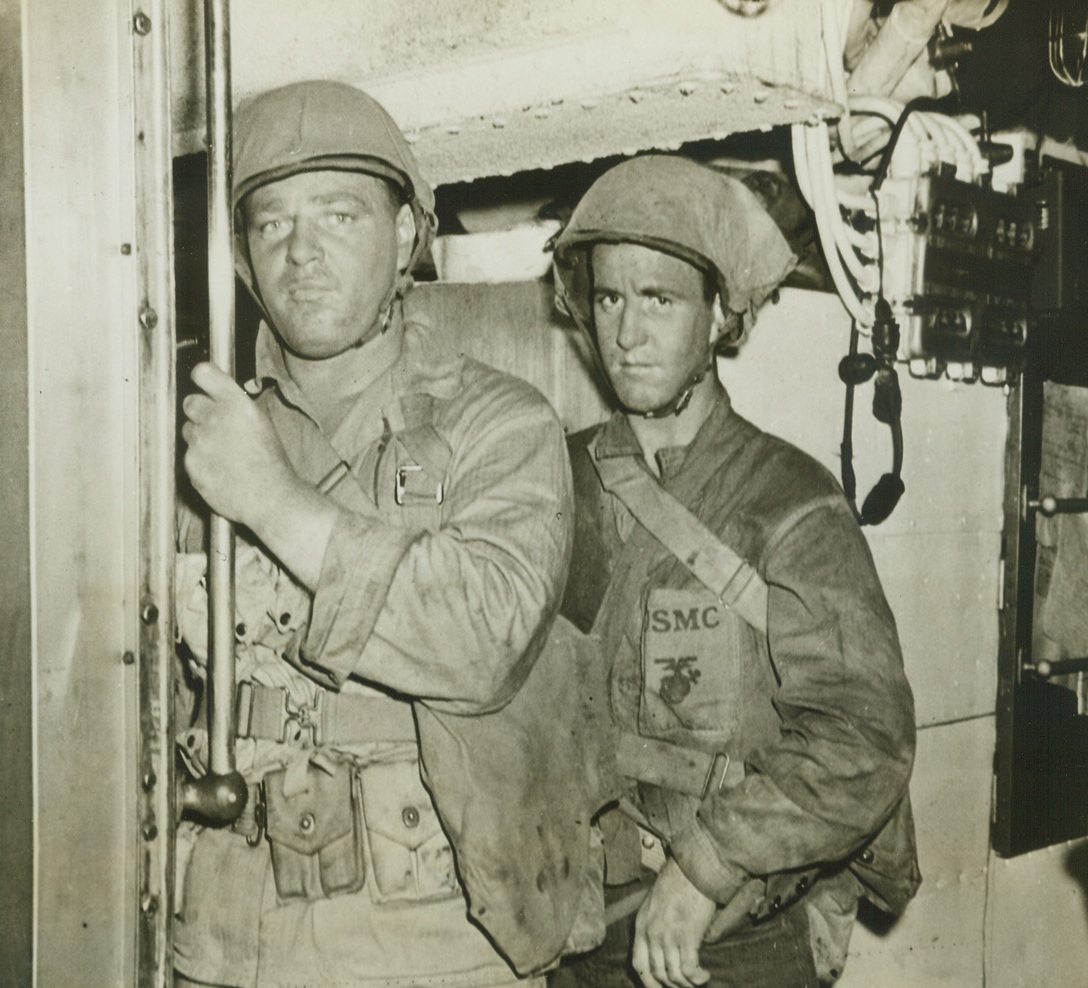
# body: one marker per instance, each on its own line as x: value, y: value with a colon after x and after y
x: 664, y: 619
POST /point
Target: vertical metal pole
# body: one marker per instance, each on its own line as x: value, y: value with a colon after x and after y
x: 220, y: 796
x: 220, y: 697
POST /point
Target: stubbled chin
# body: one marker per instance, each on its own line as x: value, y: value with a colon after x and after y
x: 638, y: 398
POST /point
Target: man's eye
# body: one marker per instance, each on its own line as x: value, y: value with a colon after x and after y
x: 606, y: 302
x: 340, y: 218
x: 269, y: 228
x: 660, y: 301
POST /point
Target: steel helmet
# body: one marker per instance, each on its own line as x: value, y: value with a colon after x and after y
x: 319, y: 125
x: 679, y: 207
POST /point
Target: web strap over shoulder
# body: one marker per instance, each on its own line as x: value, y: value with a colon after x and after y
x: 732, y: 579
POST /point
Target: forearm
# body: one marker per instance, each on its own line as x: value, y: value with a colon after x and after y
x: 842, y: 759
x: 448, y: 614
x: 294, y: 522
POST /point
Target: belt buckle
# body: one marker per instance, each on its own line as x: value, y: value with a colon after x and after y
x: 400, y: 487
x: 304, y: 717
x: 715, y: 776
x: 260, y: 816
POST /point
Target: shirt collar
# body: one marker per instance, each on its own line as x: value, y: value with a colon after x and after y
x: 617, y: 438
x: 421, y: 361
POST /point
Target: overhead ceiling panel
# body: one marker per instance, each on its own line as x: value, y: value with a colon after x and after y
x: 493, y: 87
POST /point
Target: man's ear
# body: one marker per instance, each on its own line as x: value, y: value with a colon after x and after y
x: 406, y: 236
x: 718, y: 321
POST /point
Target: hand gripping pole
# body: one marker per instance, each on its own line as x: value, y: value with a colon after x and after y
x: 220, y: 796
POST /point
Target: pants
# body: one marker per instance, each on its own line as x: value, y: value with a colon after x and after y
x: 180, y: 981
x: 771, y: 954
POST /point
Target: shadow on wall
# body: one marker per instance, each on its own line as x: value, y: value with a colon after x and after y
x: 874, y: 920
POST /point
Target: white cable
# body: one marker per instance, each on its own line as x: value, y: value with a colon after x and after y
x: 864, y: 243
x: 978, y: 165
x: 937, y: 138
x: 799, y: 135
x: 854, y: 201
x: 833, y: 46
x: 800, y: 163
x: 823, y: 183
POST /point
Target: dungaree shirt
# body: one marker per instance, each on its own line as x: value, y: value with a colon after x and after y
x: 439, y: 599
x: 818, y: 711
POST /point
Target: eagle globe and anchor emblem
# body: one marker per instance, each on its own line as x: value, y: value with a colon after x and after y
x: 681, y: 676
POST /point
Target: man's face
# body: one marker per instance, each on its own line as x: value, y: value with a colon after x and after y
x: 326, y: 247
x: 653, y: 321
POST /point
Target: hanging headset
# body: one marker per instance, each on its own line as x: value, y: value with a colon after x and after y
x: 857, y: 368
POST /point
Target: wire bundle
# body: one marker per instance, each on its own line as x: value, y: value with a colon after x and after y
x: 876, y: 133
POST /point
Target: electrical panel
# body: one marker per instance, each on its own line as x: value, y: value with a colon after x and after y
x: 1061, y: 281
x: 958, y: 262
x: 1041, y: 757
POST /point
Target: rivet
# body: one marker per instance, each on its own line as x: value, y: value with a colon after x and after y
x: 285, y: 617
x: 150, y: 831
x: 129, y: 657
x: 410, y: 816
x: 148, y: 781
x: 240, y: 629
x: 150, y: 904
x: 150, y: 614
x: 149, y: 318
x: 141, y: 23
x: 126, y: 249
x: 306, y: 823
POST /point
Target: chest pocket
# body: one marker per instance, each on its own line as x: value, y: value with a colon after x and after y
x: 411, y: 478
x: 691, y: 666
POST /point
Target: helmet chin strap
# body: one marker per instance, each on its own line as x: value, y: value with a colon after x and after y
x: 677, y: 404
x: 684, y: 396
x: 385, y: 312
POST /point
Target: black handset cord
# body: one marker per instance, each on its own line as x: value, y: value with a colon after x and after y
x: 856, y: 368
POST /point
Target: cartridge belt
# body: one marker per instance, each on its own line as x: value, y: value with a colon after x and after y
x: 269, y: 713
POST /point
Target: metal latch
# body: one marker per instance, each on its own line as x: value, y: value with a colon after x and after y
x: 401, y: 492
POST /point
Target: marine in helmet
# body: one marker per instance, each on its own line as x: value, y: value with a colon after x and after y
x: 404, y: 515
x: 764, y: 725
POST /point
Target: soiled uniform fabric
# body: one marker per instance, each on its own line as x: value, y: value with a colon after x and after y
x: 442, y: 597
x: 818, y: 710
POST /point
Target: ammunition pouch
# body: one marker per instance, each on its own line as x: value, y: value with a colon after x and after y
x: 345, y: 826
x: 316, y: 833
x: 408, y: 855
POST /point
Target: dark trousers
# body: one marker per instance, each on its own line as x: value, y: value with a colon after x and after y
x: 770, y: 954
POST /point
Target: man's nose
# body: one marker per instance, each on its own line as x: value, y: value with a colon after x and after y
x: 630, y: 332
x: 304, y: 244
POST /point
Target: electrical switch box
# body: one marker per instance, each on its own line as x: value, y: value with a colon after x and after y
x: 958, y: 263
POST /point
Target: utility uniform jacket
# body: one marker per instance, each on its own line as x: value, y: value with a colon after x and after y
x: 439, y: 584
x: 817, y: 711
